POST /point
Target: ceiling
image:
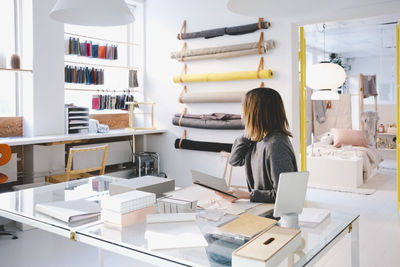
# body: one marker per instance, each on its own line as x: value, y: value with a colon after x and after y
x: 311, y: 11
x: 355, y: 38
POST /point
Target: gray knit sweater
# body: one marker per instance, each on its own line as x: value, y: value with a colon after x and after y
x: 264, y: 161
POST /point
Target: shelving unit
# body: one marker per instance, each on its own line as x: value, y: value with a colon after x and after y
x: 76, y: 119
x: 16, y: 70
x: 99, y: 39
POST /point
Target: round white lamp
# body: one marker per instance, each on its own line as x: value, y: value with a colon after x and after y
x: 92, y: 12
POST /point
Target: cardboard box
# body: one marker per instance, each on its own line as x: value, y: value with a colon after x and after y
x: 151, y: 184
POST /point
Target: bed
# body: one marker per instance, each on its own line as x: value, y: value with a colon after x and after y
x: 347, y: 166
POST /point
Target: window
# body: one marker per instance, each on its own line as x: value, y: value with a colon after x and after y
x: 8, y: 90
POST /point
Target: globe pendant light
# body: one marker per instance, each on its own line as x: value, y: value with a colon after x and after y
x: 92, y: 12
x: 325, y: 77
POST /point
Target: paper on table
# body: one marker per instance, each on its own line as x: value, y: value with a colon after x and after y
x: 311, y: 217
x: 203, y: 195
x: 240, y: 206
x: 180, y: 233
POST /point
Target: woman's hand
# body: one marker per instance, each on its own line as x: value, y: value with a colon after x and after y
x: 240, y: 194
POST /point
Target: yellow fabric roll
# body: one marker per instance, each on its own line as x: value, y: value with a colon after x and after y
x: 224, y: 76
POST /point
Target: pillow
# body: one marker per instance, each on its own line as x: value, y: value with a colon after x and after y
x: 327, y: 139
x: 348, y: 137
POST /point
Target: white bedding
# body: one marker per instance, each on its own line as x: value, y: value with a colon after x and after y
x: 371, y: 157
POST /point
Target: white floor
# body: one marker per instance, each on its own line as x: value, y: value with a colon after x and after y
x: 379, y: 234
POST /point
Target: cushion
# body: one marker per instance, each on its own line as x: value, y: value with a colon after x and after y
x: 348, y: 137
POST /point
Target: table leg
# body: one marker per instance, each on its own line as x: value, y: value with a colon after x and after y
x: 355, y: 244
x: 100, y: 257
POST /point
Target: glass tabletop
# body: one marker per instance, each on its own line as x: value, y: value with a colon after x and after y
x: 217, y: 253
x: 23, y: 202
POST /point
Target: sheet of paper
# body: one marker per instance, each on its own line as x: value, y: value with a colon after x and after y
x: 174, y: 235
x: 240, y: 206
x: 203, y: 195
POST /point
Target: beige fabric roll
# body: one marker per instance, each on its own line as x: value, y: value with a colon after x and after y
x: 229, y: 50
x: 212, y: 97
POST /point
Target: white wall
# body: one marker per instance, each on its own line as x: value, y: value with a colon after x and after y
x: 44, y: 106
x: 163, y: 21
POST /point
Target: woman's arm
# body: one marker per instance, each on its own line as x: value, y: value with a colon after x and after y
x: 240, y: 148
x: 280, y: 160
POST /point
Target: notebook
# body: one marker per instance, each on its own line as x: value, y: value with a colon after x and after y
x: 247, y: 225
x: 211, y: 182
x: 70, y: 211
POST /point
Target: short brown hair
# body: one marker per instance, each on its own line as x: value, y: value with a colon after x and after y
x: 263, y: 112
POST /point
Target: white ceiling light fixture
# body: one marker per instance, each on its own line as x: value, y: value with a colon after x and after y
x: 325, y: 77
x: 92, y: 12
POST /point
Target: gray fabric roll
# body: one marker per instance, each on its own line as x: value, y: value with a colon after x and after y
x: 237, y: 30
x: 210, y: 121
x: 369, y: 84
x: 224, y: 51
x: 209, y: 124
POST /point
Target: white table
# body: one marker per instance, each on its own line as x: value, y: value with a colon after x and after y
x: 129, y: 241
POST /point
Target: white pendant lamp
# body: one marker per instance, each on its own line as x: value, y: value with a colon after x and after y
x: 92, y: 12
x: 325, y: 77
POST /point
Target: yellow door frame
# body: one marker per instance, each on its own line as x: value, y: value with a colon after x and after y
x: 303, y: 106
x: 398, y: 112
x: 303, y: 102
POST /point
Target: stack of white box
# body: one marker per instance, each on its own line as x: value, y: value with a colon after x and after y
x: 127, y: 208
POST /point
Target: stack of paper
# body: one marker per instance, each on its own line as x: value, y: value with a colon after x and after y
x: 72, y: 211
x: 173, y: 230
x: 312, y: 217
x: 127, y: 208
x: 174, y: 205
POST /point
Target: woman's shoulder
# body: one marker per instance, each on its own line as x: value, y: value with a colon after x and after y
x: 276, y: 141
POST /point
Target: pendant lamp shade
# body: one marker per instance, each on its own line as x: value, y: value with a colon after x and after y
x: 92, y: 12
x: 325, y: 75
x: 325, y: 95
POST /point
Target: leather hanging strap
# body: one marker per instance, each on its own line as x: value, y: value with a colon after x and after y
x: 180, y: 118
x: 260, y: 42
x: 184, y: 71
x: 183, y: 137
x: 183, y: 29
x: 183, y: 50
x: 260, y: 21
x: 260, y: 67
x: 184, y: 90
x: 262, y: 85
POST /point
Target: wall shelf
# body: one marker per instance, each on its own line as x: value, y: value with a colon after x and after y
x: 100, y: 39
x: 387, y: 149
x: 16, y: 70
x: 101, y: 90
x: 386, y: 134
x: 100, y: 65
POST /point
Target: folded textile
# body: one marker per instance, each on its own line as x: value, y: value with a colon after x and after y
x: 320, y: 110
x: 369, y: 84
x: 209, y: 124
x: 224, y: 51
x: 223, y: 76
x: 212, y: 116
x: 203, y: 146
x: 237, y: 30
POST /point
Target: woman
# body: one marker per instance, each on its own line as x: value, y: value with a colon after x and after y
x: 265, y: 149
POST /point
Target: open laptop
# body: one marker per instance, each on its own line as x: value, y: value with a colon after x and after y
x: 211, y: 182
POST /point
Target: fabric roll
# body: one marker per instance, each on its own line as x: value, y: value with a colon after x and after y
x: 209, y: 124
x: 212, y: 116
x: 212, y: 97
x: 224, y: 51
x: 223, y: 76
x: 203, y: 146
x: 237, y: 30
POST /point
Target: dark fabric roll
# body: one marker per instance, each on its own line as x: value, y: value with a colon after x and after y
x: 209, y: 124
x: 203, y: 146
x: 237, y: 30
